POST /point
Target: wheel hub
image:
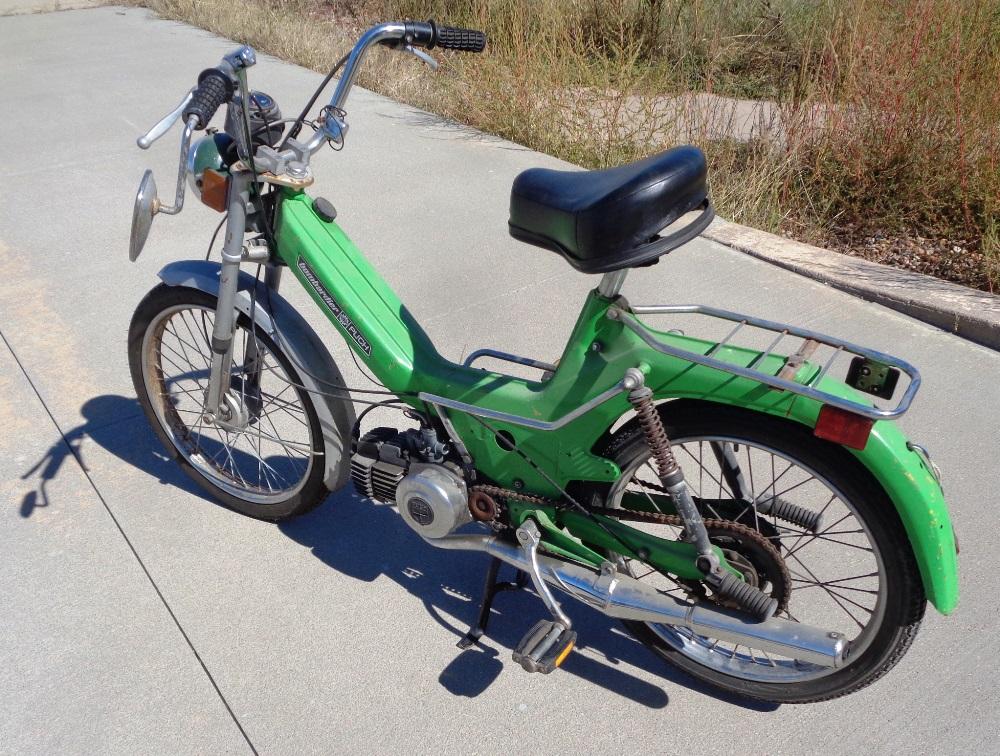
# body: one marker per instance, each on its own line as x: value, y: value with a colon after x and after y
x: 755, y: 557
x: 232, y: 417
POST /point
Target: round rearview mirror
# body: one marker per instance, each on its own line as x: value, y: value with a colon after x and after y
x: 147, y: 204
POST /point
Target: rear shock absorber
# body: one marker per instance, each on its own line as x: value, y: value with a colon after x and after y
x: 725, y: 584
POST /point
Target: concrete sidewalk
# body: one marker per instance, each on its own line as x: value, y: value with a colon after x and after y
x: 336, y: 632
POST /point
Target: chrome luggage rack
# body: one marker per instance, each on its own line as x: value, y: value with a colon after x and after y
x: 785, y: 378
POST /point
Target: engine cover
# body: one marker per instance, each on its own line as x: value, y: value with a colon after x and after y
x: 383, y: 456
x: 433, y: 500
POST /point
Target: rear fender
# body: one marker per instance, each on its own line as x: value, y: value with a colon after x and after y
x: 300, y: 342
x: 898, y: 469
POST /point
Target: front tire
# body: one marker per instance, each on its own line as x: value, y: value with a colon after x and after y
x: 269, y: 462
x: 860, y: 559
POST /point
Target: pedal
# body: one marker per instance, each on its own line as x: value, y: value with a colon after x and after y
x: 545, y: 647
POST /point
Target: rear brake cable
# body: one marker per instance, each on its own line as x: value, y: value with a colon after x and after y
x: 269, y: 238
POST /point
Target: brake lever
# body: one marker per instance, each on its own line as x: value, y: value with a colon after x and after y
x: 418, y: 53
x: 161, y: 128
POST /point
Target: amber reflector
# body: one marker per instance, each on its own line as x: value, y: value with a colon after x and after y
x: 843, y: 427
x: 565, y: 652
x: 214, y: 188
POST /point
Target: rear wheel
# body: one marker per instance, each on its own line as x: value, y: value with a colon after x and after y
x: 855, y: 575
x: 268, y: 459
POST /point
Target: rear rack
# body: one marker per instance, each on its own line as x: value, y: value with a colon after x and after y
x: 785, y: 378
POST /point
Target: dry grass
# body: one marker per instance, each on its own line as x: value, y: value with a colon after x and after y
x: 872, y: 118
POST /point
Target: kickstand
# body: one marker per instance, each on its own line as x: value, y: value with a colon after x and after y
x: 490, y: 590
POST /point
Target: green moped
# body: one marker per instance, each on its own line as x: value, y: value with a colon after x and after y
x: 742, y: 501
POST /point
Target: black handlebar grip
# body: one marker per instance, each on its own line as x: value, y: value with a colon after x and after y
x: 428, y: 34
x: 214, y: 89
x: 466, y: 40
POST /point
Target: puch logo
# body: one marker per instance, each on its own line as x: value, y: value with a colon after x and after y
x: 338, y: 312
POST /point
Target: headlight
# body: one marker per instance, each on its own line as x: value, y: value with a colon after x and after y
x: 208, y: 152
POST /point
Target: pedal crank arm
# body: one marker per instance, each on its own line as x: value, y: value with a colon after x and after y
x: 529, y: 537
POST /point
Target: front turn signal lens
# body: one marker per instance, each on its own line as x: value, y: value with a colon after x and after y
x: 214, y: 189
x: 843, y: 427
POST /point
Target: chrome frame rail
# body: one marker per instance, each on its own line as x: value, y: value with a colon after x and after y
x: 782, y: 329
x: 526, y: 422
x: 508, y: 357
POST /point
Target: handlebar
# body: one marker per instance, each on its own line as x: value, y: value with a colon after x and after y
x: 217, y: 85
x: 405, y: 34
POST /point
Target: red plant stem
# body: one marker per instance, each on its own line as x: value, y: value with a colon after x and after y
x: 963, y: 172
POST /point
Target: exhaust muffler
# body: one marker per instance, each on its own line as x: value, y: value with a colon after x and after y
x: 624, y: 597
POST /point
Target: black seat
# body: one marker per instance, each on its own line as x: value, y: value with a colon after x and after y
x: 607, y: 220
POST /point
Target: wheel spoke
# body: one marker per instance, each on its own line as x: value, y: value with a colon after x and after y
x: 237, y: 458
x: 187, y: 373
x: 194, y: 346
x: 814, y: 584
x: 844, y: 602
x: 718, y: 480
x: 793, y: 487
x: 287, y: 412
x: 830, y: 593
x: 835, y: 591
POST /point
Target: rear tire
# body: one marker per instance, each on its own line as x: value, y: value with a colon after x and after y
x: 900, y: 604
x: 290, y: 473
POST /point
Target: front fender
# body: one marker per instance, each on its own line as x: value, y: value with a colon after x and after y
x: 303, y: 346
x: 902, y: 473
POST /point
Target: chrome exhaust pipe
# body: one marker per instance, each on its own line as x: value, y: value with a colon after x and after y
x: 624, y: 597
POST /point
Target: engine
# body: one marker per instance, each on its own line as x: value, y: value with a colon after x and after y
x: 408, y: 469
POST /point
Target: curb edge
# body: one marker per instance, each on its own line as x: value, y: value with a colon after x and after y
x: 968, y: 313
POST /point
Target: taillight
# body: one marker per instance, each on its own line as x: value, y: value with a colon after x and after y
x: 843, y: 427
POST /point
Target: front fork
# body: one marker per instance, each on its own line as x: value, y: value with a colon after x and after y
x: 224, y: 328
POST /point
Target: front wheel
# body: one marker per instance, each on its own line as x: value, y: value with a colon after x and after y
x: 267, y: 460
x: 855, y: 574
